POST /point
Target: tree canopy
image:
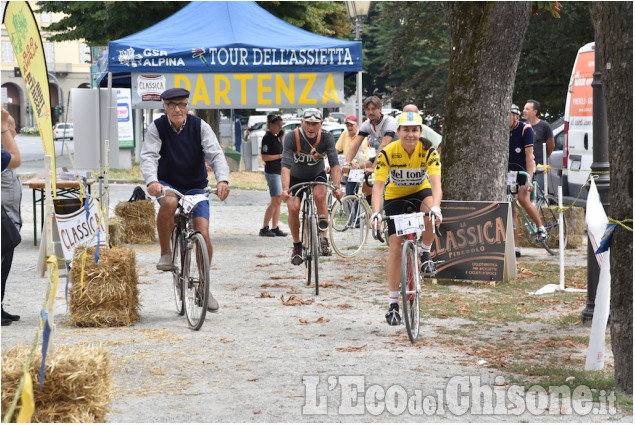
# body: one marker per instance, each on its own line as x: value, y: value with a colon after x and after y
x: 549, y: 50
x: 98, y: 22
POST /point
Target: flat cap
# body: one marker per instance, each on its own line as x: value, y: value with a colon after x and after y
x: 175, y: 93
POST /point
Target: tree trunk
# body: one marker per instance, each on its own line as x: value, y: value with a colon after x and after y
x: 212, y: 117
x: 485, y: 43
x: 613, y: 23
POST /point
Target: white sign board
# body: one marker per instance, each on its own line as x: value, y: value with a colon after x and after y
x: 124, y: 119
x: 78, y: 228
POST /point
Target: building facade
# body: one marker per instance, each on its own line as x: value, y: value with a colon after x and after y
x: 68, y: 64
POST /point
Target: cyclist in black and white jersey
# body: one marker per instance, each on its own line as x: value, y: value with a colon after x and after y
x: 378, y: 127
x: 303, y: 154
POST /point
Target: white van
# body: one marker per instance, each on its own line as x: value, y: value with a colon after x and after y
x: 578, y: 125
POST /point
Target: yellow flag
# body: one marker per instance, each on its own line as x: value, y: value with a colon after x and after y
x: 27, y: 46
x: 28, y: 405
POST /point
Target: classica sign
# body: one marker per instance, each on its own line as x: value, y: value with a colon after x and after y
x: 243, y: 90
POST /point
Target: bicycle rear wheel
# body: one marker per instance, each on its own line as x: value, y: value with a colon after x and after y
x: 348, y: 229
x: 549, y: 218
x: 176, y: 243
x: 196, y: 281
x: 410, y: 289
x: 316, y: 247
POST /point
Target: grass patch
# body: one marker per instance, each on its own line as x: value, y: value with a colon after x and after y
x: 244, y: 180
x: 601, y: 382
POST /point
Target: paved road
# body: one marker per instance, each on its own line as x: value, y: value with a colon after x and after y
x: 258, y: 360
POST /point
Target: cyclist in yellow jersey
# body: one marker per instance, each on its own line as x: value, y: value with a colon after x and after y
x: 414, y: 169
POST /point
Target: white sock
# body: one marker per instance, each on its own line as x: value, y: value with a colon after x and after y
x: 393, y: 297
x: 424, y: 247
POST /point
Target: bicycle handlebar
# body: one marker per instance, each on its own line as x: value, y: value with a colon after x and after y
x: 312, y: 184
x: 208, y: 190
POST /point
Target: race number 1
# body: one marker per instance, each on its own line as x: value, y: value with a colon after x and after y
x: 409, y: 223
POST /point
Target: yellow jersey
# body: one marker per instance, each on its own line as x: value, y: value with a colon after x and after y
x: 408, y: 174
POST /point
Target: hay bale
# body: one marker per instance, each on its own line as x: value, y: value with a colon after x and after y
x: 109, y: 295
x: 139, y: 222
x: 77, y: 387
x: 116, y: 231
x: 576, y: 231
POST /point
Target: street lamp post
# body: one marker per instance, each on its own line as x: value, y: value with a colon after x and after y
x: 357, y: 11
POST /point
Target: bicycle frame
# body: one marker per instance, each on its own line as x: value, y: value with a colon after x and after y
x: 310, y: 234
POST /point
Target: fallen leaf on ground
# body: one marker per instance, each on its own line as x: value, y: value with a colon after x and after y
x: 350, y: 348
x: 293, y: 301
x: 320, y: 320
x: 272, y: 285
x: 527, y: 272
x: 265, y: 295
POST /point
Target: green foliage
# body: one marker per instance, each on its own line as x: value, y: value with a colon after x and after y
x: 320, y: 17
x: 98, y: 22
x: 548, y: 55
x: 30, y: 131
x: 406, y: 54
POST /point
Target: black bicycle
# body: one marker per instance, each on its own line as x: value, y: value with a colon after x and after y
x: 190, y: 260
x: 310, y: 235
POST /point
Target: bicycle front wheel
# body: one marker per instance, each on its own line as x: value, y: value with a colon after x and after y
x: 549, y: 216
x: 348, y: 228
x: 306, y: 244
x: 196, y: 281
x: 176, y: 243
x: 410, y: 289
x: 316, y: 247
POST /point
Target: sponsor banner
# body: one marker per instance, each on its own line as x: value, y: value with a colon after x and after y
x: 243, y: 59
x: 472, y: 241
x: 124, y: 119
x: 581, y: 90
x: 27, y: 47
x: 240, y: 91
x: 78, y: 228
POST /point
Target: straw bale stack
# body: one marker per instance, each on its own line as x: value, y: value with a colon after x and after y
x: 109, y: 295
x: 139, y: 221
x: 77, y: 387
x: 576, y: 231
x: 116, y: 231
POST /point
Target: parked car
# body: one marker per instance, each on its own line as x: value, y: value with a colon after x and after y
x: 335, y: 129
x: 63, y: 130
x: 340, y: 117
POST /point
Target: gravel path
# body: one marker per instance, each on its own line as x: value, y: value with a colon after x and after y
x: 258, y: 360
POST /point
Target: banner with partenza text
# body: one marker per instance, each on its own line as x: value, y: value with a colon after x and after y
x: 27, y: 47
x: 243, y: 90
x: 472, y: 240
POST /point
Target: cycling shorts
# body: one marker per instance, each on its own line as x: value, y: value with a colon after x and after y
x: 202, y: 209
x: 402, y: 205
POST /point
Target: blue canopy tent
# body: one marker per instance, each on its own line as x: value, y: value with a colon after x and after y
x: 227, y: 36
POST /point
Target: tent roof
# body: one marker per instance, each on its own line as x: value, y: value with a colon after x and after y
x: 230, y: 36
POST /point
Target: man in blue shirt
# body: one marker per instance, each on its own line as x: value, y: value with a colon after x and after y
x: 521, y: 158
x: 173, y: 155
